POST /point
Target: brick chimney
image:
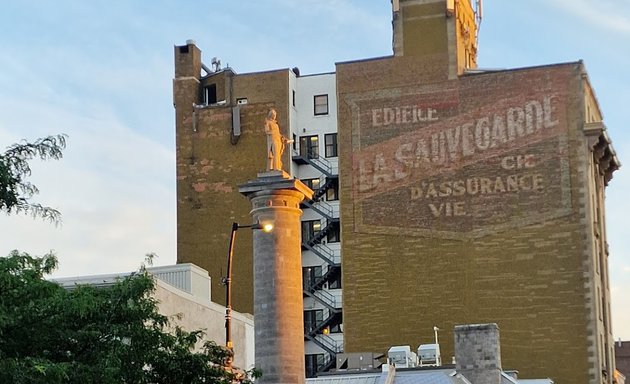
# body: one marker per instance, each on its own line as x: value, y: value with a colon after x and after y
x: 478, y: 353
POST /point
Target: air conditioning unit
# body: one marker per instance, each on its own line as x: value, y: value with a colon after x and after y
x: 402, y: 357
x: 429, y: 355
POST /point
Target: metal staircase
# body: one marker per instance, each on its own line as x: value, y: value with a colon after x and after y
x: 322, y: 296
x: 325, y: 253
x: 325, y: 342
x: 313, y: 159
x: 319, y: 236
x: 321, y: 191
x: 331, y: 316
x: 323, y: 208
x: 332, y: 272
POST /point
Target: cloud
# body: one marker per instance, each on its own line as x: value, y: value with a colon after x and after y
x: 620, y: 302
x: 111, y: 190
x: 605, y: 14
x: 115, y: 185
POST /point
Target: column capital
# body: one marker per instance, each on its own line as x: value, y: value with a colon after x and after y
x: 274, y: 180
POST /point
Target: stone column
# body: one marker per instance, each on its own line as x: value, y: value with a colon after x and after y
x: 278, y: 308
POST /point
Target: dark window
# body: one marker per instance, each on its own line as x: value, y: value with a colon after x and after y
x: 311, y: 183
x: 312, y: 319
x: 335, y: 328
x: 335, y: 281
x: 312, y: 364
x: 183, y: 49
x: 210, y: 94
x: 333, y: 234
x: 294, y: 144
x: 330, y: 140
x: 321, y: 104
x: 311, y: 276
x: 310, y: 229
x: 293, y: 98
x: 309, y: 146
x: 332, y: 193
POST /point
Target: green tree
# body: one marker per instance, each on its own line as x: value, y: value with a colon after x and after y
x: 15, y: 191
x: 95, y: 334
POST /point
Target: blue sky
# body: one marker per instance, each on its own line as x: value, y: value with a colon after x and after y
x: 101, y: 72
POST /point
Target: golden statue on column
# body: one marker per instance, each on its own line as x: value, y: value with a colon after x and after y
x: 275, y: 142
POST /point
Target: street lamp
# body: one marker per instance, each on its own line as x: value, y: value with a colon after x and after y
x: 227, y: 280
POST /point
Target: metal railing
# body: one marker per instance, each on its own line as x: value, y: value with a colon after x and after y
x: 313, y: 158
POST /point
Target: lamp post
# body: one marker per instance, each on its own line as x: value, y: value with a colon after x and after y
x: 227, y: 280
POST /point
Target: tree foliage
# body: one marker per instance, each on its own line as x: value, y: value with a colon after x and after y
x: 90, y: 334
x: 15, y: 191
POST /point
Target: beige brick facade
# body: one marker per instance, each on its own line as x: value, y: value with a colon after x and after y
x: 466, y: 196
x: 211, y: 162
x: 465, y: 201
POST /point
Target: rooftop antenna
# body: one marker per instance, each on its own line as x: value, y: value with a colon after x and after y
x: 216, y: 64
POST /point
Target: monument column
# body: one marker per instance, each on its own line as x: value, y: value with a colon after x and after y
x: 278, y: 309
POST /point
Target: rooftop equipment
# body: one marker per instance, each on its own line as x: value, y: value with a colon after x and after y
x: 402, y: 357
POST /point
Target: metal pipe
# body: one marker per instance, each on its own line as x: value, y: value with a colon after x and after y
x: 205, y: 68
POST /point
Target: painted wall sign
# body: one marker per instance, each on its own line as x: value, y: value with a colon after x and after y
x: 448, y: 163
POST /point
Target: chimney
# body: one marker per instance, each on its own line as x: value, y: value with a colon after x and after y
x: 188, y: 60
x: 478, y: 353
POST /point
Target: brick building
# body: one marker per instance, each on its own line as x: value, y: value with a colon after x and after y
x: 447, y: 194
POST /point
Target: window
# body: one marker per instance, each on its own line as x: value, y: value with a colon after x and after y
x: 336, y: 328
x: 294, y: 144
x: 332, y: 193
x: 210, y: 94
x: 330, y: 141
x: 311, y: 183
x: 313, y: 362
x: 310, y: 229
x: 311, y: 276
x: 309, y: 146
x: 293, y: 92
x: 333, y: 234
x: 335, y: 281
x: 312, y: 318
x: 321, y: 104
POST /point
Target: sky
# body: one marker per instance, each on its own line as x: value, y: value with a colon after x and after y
x: 101, y: 72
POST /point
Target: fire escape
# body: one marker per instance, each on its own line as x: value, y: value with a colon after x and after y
x: 316, y: 329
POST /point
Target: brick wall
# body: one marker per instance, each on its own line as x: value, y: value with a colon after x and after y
x: 422, y: 248
x: 211, y: 163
